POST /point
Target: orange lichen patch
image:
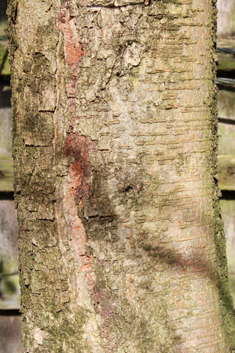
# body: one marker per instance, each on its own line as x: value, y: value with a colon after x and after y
x: 80, y: 170
x: 73, y: 49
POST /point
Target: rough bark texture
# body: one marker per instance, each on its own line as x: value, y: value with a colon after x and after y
x: 121, y: 247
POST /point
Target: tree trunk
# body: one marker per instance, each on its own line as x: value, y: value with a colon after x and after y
x: 121, y: 246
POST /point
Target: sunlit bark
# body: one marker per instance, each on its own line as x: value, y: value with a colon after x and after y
x: 121, y: 247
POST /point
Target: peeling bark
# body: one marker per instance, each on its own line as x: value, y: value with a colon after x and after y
x: 121, y: 246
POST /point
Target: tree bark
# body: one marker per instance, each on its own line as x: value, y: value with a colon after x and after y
x: 121, y: 245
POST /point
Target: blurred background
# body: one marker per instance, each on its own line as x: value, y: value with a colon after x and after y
x: 226, y: 112
x: 10, y: 332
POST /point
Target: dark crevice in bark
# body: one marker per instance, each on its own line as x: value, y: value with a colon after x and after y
x: 102, y: 218
x: 112, y: 6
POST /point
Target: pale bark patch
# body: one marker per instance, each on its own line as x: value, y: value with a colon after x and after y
x: 39, y: 335
x: 132, y: 54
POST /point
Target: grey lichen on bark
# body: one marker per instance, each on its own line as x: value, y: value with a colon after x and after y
x: 114, y: 149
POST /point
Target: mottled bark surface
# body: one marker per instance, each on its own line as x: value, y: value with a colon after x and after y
x: 121, y: 247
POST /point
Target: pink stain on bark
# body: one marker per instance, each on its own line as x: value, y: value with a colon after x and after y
x: 77, y: 190
x: 79, y: 147
x: 73, y: 50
